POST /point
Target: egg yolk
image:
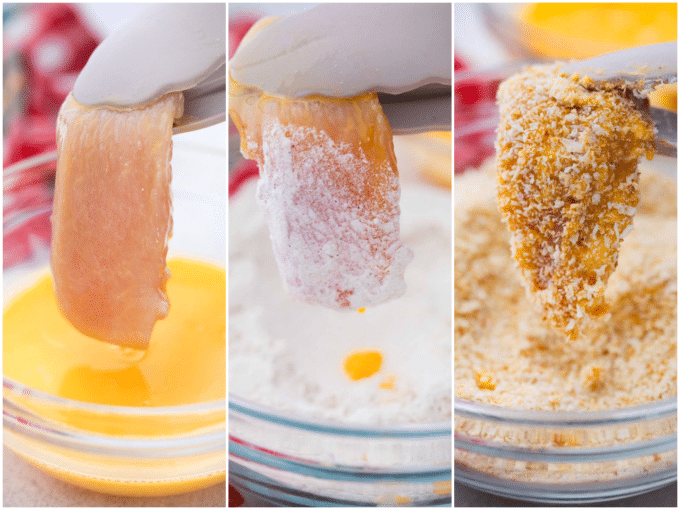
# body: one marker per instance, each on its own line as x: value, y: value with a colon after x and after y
x: 184, y: 364
x: 362, y: 364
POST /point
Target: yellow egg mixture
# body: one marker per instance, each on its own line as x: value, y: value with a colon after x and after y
x: 632, y: 24
x: 184, y: 364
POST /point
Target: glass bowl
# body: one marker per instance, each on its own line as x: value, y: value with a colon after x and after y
x: 542, y: 456
x: 148, y: 451
x: 525, y: 40
x: 281, y: 459
x: 276, y: 459
x: 528, y: 42
x: 603, y: 455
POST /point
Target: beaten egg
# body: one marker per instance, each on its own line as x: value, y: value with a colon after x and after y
x: 184, y: 364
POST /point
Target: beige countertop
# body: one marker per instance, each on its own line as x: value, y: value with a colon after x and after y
x: 27, y: 486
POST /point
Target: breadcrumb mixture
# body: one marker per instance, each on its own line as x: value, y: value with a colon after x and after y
x: 506, y: 355
x: 568, y: 188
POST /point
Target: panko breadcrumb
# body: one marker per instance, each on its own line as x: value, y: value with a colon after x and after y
x: 506, y: 355
x: 567, y: 162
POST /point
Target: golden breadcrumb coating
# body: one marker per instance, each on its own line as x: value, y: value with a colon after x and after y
x: 567, y: 163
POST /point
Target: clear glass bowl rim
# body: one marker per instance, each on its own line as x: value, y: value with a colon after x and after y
x: 566, y: 419
x: 504, y: 21
x: 30, y: 162
x: 405, y: 430
x: 42, y: 397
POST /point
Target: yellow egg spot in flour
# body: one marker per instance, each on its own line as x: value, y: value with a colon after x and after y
x: 388, y: 382
x: 362, y: 364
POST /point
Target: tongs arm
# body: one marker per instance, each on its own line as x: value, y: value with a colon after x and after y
x: 204, y: 104
x: 640, y: 69
x: 426, y: 108
x: 637, y: 70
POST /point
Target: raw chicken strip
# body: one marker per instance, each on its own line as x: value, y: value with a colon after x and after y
x: 329, y: 189
x: 112, y: 218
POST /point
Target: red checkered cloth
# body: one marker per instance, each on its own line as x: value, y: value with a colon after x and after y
x: 240, y: 169
x: 49, y: 44
x: 44, y: 48
x: 475, y: 115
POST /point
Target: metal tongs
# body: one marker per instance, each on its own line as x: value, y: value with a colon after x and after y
x: 166, y: 48
x: 401, y: 51
x: 205, y: 104
x: 638, y: 71
x: 427, y: 108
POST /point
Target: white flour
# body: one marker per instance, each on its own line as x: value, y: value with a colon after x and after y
x: 289, y: 355
x: 332, y: 247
